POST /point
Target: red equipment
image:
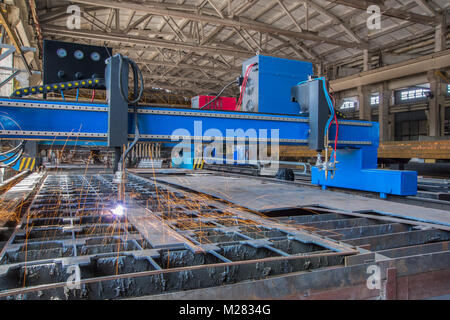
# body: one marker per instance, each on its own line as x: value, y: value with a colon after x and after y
x: 222, y: 103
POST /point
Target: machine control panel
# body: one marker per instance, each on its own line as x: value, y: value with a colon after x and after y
x: 65, y: 62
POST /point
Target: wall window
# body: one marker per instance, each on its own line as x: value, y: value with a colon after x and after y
x: 413, y: 94
x: 348, y: 105
x: 375, y: 100
x: 411, y: 130
x: 410, y: 125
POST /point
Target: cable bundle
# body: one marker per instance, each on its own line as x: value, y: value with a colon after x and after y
x: 219, y: 94
x: 333, y: 113
x: 333, y: 116
x: 244, y: 85
x: 17, y: 153
x: 138, y: 90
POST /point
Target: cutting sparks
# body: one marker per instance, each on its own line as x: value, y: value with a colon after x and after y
x: 118, y: 211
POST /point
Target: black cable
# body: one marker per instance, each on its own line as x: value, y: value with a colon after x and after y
x: 21, y: 144
x: 12, y: 163
x: 136, y: 134
x: 220, y: 93
x: 136, y: 73
x: 19, y: 153
x: 10, y: 157
x: 137, y: 95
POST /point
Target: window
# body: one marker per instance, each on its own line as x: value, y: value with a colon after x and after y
x: 410, y: 125
x: 348, y: 105
x: 410, y: 130
x: 413, y: 94
x: 374, y: 100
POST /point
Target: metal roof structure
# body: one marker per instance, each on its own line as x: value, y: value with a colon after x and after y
x: 189, y: 47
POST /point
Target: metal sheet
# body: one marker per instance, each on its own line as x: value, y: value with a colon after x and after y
x: 263, y: 196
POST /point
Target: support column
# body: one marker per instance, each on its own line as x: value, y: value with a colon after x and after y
x: 320, y: 68
x: 364, y: 103
x: 441, y: 33
x: 334, y: 72
x: 391, y: 284
x: 435, y: 104
x: 338, y: 99
x: 442, y: 115
x: 383, y: 111
x: 391, y: 127
x: 31, y: 149
x: 366, y: 60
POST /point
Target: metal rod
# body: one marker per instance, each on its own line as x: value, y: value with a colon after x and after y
x: 9, y: 78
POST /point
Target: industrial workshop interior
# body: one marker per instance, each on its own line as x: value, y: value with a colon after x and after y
x: 204, y: 151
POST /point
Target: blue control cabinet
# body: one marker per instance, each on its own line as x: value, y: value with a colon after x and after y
x: 269, y: 84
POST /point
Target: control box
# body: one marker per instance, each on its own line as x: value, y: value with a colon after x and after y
x: 222, y: 103
x: 310, y: 96
x: 118, y: 107
x: 63, y: 61
x: 268, y: 88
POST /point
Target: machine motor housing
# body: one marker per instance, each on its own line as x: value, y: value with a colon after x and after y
x: 312, y: 102
x: 269, y: 84
x: 118, y: 107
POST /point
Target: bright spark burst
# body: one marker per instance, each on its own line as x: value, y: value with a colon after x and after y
x: 118, y: 211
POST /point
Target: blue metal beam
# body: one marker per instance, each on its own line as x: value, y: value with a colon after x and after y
x: 68, y: 121
x: 55, y: 120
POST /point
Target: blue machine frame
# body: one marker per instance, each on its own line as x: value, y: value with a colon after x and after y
x: 272, y: 79
x: 357, y: 169
x: 54, y: 120
x: 69, y: 121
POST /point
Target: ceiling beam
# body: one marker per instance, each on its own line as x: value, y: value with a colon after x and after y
x: 385, y: 10
x: 334, y: 18
x: 186, y: 65
x: 361, y: 27
x: 188, y: 88
x: 289, y: 14
x: 119, y: 37
x: 426, y: 7
x: 135, y: 24
x: 306, y: 53
x: 407, y: 68
x: 191, y: 79
x: 237, y: 22
x: 219, y: 12
x: 61, y: 13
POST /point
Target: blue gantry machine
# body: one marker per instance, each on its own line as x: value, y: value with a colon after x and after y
x: 278, y: 96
